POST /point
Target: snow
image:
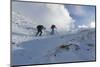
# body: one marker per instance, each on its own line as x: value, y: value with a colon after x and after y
x: 29, y: 49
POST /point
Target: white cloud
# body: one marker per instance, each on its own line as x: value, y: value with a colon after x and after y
x: 82, y: 26
x: 90, y: 25
x: 46, y: 14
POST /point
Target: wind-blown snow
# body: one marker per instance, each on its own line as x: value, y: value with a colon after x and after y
x: 20, y: 26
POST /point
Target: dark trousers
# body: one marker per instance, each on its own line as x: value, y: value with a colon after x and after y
x: 52, y: 32
x: 39, y: 32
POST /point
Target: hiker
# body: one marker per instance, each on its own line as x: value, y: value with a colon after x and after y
x: 39, y: 30
x: 52, y: 29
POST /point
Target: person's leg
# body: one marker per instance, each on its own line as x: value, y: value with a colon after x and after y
x: 37, y: 33
x: 40, y: 33
x: 52, y: 32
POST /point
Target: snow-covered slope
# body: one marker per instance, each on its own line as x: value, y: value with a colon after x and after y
x: 28, y: 49
x: 23, y: 28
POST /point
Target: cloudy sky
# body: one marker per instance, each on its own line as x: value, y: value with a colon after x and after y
x: 65, y: 17
x: 83, y: 15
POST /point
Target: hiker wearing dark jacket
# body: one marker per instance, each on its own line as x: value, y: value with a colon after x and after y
x: 52, y: 29
x: 39, y: 30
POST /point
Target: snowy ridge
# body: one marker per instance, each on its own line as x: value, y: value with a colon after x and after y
x: 78, y: 46
x: 22, y: 28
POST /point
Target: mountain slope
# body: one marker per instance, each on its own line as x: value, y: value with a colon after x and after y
x: 48, y: 49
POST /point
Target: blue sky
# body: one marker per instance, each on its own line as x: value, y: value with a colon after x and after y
x: 81, y: 14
